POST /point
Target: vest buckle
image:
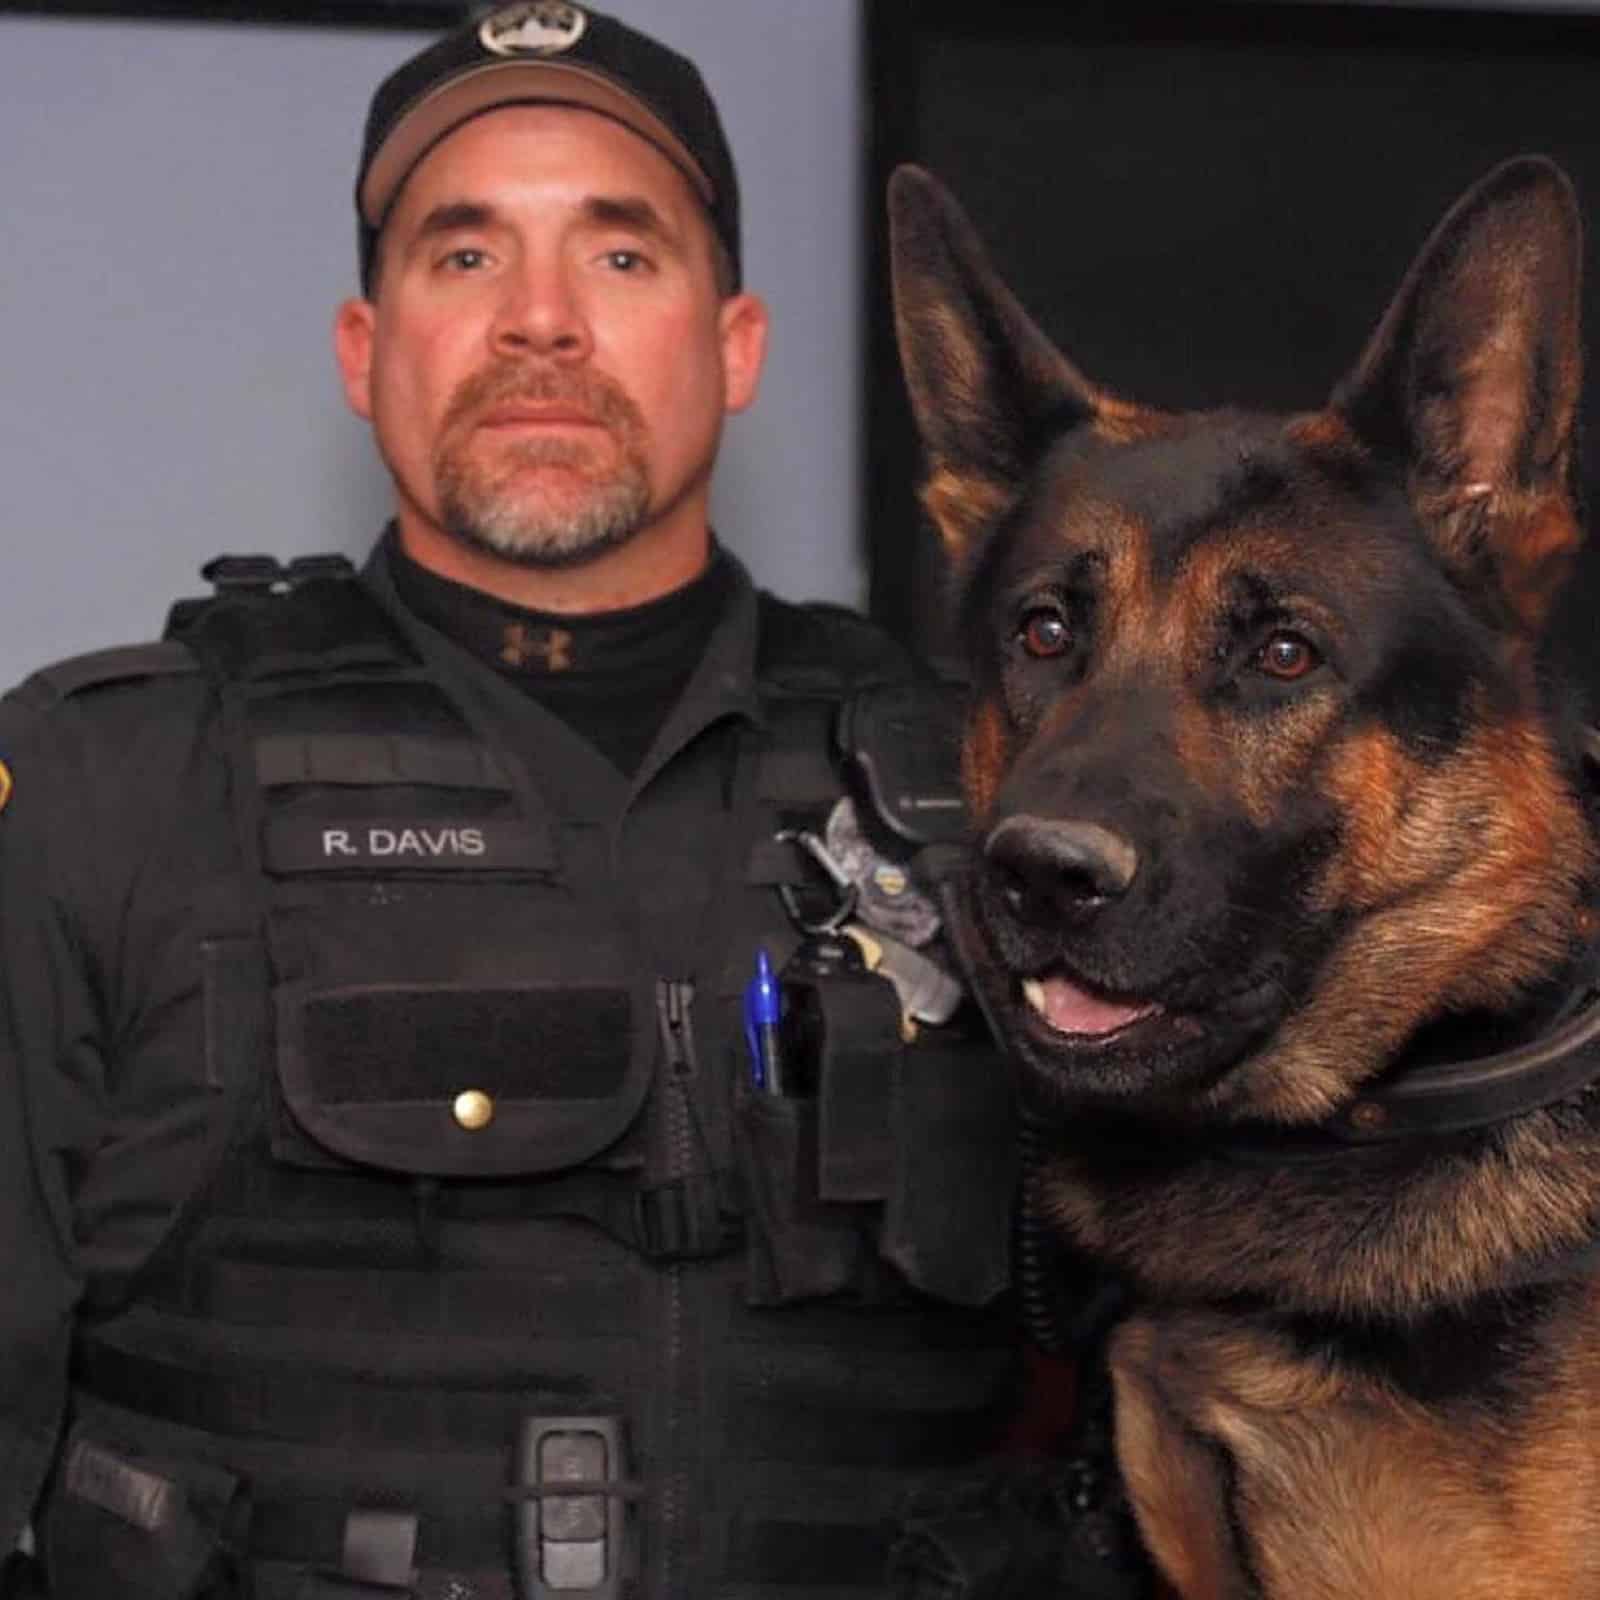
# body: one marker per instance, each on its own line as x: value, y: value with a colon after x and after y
x: 682, y: 1220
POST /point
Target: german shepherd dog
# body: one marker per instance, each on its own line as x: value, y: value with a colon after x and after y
x: 1281, y: 904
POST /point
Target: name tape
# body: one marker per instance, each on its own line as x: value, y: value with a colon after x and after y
x: 315, y: 844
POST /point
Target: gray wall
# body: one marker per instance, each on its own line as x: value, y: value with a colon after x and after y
x: 178, y: 229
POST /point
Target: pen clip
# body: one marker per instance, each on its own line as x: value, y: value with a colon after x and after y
x: 763, y: 1009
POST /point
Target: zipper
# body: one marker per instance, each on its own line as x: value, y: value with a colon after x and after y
x: 674, y: 997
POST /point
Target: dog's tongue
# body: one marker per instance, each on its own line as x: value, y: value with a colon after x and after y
x: 1069, y: 1009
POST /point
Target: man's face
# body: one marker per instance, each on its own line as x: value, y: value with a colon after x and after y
x: 547, y: 359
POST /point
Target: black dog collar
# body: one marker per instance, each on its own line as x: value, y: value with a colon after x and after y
x: 1449, y: 1097
x: 1434, y: 1099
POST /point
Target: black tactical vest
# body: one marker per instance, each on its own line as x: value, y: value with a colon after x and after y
x: 507, y: 1280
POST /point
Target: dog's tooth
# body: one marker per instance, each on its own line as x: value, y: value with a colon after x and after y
x: 1033, y: 993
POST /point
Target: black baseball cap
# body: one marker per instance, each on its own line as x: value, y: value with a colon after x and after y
x: 554, y: 52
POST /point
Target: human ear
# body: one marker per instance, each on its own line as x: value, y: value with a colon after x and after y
x: 742, y: 322
x: 352, y: 349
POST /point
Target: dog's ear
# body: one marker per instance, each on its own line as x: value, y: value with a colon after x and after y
x: 987, y: 387
x: 1470, y: 385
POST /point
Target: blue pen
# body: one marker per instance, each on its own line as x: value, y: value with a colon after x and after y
x: 763, y: 1012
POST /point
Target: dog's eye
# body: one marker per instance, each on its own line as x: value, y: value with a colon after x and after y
x: 1288, y: 656
x: 1045, y: 633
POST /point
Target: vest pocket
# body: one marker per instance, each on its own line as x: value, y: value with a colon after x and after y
x: 894, y: 1166
x: 463, y: 1080
x: 120, y: 1522
x: 799, y: 1247
x: 947, y: 1223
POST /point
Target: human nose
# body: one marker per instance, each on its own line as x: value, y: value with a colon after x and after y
x: 540, y: 314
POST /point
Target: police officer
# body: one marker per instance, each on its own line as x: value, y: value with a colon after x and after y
x: 394, y: 1202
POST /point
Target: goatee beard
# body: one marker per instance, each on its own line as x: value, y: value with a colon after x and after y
x: 544, y: 502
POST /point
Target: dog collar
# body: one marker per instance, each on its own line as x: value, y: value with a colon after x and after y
x: 1435, y: 1099
x: 1438, y: 1099
x: 1464, y: 1096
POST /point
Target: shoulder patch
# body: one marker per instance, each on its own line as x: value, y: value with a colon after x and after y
x: 6, y: 785
x: 121, y: 664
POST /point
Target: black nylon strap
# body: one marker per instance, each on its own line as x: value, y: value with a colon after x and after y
x: 324, y: 1586
x: 283, y: 1407
x: 314, y: 1531
x: 360, y: 759
x: 234, y: 1012
x: 138, y: 1496
x: 325, y: 625
x: 859, y: 1042
x: 790, y: 1553
x: 289, y: 1580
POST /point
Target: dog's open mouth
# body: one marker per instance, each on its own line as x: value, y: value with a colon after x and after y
x: 1074, y: 1012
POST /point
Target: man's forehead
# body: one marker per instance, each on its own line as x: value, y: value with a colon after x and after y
x: 521, y: 144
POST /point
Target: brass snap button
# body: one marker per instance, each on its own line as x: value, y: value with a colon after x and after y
x: 473, y: 1110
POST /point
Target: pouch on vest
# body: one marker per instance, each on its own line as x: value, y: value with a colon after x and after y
x: 444, y: 1006
x: 141, y: 1527
x: 438, y: 1080
x: 881, y: 1153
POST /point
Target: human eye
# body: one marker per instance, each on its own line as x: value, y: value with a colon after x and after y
x: 463, y: 259
x: 626, y: 259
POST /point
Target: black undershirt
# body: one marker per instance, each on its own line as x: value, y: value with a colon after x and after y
x: 612, y: 676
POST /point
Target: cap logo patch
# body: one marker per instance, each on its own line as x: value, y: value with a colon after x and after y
x: 540, y: 28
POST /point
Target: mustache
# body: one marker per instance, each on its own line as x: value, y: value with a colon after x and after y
x: 593, y: 394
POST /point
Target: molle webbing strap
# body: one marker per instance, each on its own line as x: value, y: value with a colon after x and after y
x: 783, y: 1552
x: 797, y: 772
x: 283, y: 759
x: 812, y: 660
x: 235, y: 1024
x: 304, y: 1506
x: 859, y: 1050
x: 326, y: 625
x: 870, y: 1409
x: 685, y: 1219
x: 798, y: 781
x: 823, y: 650
x: 279, y: 1414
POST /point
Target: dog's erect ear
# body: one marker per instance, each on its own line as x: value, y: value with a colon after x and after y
x: 988, y: 388
x: 1470, y: 384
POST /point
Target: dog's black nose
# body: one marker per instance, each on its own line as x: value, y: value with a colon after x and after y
x: 1059, y: 869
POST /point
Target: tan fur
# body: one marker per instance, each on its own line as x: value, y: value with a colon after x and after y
x: 959, y: 506
x: 984, y: 757
x: 1326, y: 432
x: 1237, y: 758
x: 1343, y: 1487
x: 1123, y: 422
x: 1374, y: 1247
x: 1470, y: 876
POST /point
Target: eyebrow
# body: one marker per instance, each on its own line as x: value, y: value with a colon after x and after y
x: 605, y: 211
x: 452, y: 217
x: 629, y: 211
